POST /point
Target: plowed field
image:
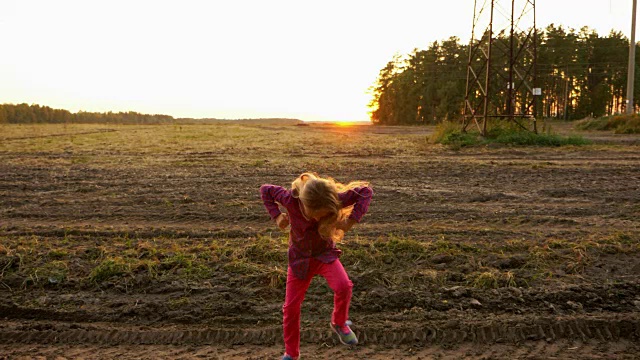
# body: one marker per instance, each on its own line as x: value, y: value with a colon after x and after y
x: 150, y: 242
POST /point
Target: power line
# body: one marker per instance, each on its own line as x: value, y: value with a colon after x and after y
x: 632, y: 60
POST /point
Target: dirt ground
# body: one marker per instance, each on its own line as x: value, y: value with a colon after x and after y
x: 151, y: 242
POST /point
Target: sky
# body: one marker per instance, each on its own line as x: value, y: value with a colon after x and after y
x: 309, y: 60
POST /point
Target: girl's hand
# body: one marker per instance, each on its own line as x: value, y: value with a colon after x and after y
x: 345, y: 225
x: 282, y: 220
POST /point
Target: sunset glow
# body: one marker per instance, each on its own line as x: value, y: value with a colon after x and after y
x: 345, y: 123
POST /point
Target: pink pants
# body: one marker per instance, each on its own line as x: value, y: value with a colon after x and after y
x: 296, y: 288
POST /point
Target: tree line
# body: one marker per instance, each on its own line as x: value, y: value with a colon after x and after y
x: 34, y: 114
x: 581, y: 74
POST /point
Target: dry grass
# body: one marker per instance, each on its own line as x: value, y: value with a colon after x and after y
x: 197, y: 145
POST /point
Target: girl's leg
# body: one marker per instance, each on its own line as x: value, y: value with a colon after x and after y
x: 341, y: 285
x: 295, y: 291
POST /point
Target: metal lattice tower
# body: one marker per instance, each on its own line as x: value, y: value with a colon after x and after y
x: 501, y: 72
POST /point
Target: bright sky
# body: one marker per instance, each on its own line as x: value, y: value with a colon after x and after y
x: 311, y: 60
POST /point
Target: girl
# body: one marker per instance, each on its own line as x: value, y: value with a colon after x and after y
x: 320, y: 211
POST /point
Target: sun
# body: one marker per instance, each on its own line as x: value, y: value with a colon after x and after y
x: 344, y: 123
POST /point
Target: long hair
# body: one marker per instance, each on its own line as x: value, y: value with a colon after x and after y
x: 317, y: 193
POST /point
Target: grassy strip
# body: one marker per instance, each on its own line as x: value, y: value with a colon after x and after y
x: 261, y: 261
x: 450, y: 134
x: 619, y: 124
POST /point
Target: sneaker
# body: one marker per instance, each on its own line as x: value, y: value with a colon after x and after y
x: 345, y: 334
x: 288, y: 357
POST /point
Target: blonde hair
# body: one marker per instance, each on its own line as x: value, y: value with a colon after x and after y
x: 317, y: 193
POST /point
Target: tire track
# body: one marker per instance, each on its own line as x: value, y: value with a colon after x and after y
x: 510, y: 331
x: 527, y: 350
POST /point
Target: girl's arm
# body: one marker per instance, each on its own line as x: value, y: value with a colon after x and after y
x: 360, y: 198
x: 273, y: 194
